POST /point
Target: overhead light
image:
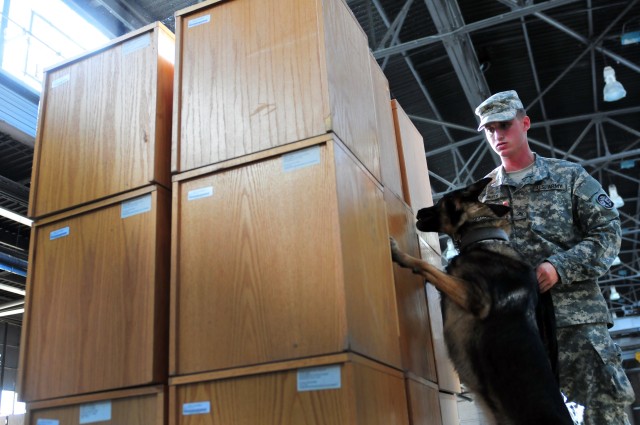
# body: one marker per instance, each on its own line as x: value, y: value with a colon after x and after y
x: 11, y: 312
x: 630, y: 32
x: 613, y: 294
x: 613, y: 90
x: 615, y: 198
x: 616, y: 261
x: 627, y: 164
x: 15, y: 217
x: 630, y: 38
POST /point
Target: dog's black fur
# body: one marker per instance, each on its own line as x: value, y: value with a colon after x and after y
x: 489, y: 297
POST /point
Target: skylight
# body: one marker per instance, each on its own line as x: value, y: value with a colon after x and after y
x: 37, y: 34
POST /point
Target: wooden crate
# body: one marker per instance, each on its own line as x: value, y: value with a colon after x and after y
x: 413, y: 162
x: 424, y: 402
x: 390, y: 174
x: 283, y: 256
x: 333, y: 390
x: 448, y: 379
x: 137, y: 406
x: 413, y: 313
x: 253, y: 75
x: 97, y: 298
x: 105, y: 122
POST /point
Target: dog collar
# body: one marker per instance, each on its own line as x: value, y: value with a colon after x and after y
x: 482, y: 234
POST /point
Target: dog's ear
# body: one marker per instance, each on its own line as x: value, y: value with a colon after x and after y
x: 474, y: 190
x: 499, y: 210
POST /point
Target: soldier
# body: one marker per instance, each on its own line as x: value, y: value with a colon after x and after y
x: 564, y: 222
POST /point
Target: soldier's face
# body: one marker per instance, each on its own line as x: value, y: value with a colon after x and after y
x: 507, y: 137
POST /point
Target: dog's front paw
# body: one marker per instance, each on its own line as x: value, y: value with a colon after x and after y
x: 395, y: 250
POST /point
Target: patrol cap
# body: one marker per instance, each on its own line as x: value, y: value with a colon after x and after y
x: 501, y: 106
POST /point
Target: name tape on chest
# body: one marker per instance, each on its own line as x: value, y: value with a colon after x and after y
x: 550, y: 186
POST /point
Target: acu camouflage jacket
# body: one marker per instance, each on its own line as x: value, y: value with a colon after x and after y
x: 562, y: 215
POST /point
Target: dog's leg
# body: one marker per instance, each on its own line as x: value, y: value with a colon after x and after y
x: 456, y: 289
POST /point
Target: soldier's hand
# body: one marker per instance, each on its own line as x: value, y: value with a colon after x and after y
x: 547, y: 276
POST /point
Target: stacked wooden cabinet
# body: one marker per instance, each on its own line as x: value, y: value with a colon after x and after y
x: 285, y: 305
x: 94, y: 338
x: 288, y: 174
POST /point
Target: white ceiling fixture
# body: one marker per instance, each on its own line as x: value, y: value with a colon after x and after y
x: 613, y: 89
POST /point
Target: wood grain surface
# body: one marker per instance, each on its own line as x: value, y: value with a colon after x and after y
x: 390, y: 175
x: 424, y: 403
x: 368, y: 394
x: 413, y: 312
x: 254, y: 75
x: 413, y: 163
x: 104, y: 125
x: 97, y: 302
x: 280, y: 264
x: 143, y: 406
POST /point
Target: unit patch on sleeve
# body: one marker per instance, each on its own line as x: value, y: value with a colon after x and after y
x: 604, y: 200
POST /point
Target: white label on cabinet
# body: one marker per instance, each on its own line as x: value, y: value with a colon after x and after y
x: 43, y: 421
x: 203, y: 192
x: 60, y: 81
x: 199, y: 21
x: 319, y: 378
x: 196, y: 408
x: 135, y: 206
x: 59, y: 233
x: 300, y: 159
x: 95, y: 412
x: 136, y: 44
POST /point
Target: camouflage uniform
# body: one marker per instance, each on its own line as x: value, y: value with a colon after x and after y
x: 560, y: 214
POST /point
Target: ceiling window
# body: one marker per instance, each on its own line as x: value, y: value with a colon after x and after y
x: 37, y: 34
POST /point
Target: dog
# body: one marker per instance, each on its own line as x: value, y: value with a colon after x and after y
x: 489, y: 296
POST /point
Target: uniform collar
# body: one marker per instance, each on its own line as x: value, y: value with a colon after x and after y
x: 538, y: 172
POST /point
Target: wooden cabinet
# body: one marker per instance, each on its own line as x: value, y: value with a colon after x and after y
x: 424, y: 403
x: 448, y: 379
x: 413, y: 162
x: 413, y: 313
x: 105, y: 123
x: 253, y: 75
x: 138, y: 406
x: 281, y: 255
x: 97, y: 299
x: 390, y: 174
x: 334, y: 390
x: 449, y: 408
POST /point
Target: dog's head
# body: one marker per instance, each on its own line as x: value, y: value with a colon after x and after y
x: 459, y: 208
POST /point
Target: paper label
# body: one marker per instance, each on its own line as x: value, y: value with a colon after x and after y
x: 95, y: 412
x: 136, y: 44
x: 199, y: 21
x: 59, y: 233
x: 135, y: 206
x: 43, y: 421
x: 60, y: 81
x: 203, y: 192
x: 319, y: 378
x: 196, y: 408
x: 300, y: 159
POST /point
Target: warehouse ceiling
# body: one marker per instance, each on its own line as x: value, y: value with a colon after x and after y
x: 442, y: 58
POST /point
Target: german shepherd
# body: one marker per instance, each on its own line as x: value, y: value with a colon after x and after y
x: 489, y: 299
